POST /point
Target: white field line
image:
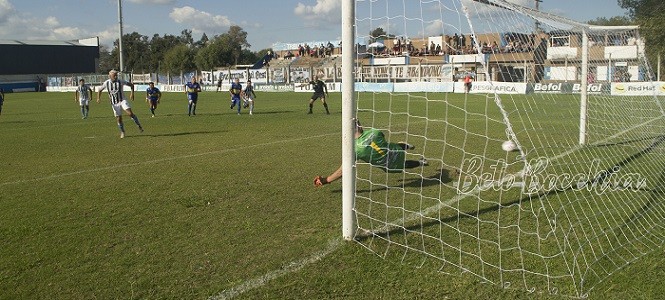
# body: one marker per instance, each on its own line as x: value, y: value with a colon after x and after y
x: 334, y: 244
x: 291, y: 267
x: 56, y: 176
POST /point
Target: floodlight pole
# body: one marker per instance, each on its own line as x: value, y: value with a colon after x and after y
x: 348, y: 119
x: 120, y: 54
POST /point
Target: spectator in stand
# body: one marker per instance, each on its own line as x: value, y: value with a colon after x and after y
x: 495, y: 47
x: 432, y: 48
x: 438, y: 49
x: 301, y: 50
x: 455, y: 40
x: 289, y: 55
x: 308, y: 50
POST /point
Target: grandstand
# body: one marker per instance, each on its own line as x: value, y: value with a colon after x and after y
x: 536, y: 60
x: 25, y: 64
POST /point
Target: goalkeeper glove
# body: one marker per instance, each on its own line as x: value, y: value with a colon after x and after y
x: 320, y: 181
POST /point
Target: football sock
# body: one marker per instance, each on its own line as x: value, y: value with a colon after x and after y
x: 121, y: 126
x: 310, y: 107
x: 326, y: 106
x: 83, y: 111
x: 136, y: 120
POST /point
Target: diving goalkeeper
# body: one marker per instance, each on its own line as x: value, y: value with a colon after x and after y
x: 371, y: 147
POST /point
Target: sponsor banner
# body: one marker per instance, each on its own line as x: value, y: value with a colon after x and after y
x: 274, y: 88
x: 62, y: 89
x: 656, y: 88
x: 331, y: 86
x: 172, y: 88
x: 569, y: 88
x: 487, y: 87
x: 432, y: 87
x: 374, y: 87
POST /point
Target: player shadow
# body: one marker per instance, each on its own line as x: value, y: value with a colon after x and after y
x: 246, y: 112
x: 443, y: 176
x: 655, y: 197
x: 16, y: 122
x: 629, y: 141
x: 175, y: 134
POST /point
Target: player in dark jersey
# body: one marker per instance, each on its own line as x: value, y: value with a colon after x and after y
x: 192, y: 90
x: 153, y: 96
x: 371, y: 147
x: 235, y: 91
x: 320, y: 92
x: 2, y: 99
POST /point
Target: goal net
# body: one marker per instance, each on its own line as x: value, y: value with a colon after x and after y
x: 579, y: 194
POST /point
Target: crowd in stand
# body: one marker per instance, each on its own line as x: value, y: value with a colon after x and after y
x: 319, y: 51
x: 458, y: 45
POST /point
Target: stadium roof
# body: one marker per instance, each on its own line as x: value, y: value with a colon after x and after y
x: 82, y: 42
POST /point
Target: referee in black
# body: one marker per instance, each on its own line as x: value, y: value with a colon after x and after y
x: 320, y: 92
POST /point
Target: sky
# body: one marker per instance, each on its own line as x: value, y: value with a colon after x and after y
x: 266, y: 21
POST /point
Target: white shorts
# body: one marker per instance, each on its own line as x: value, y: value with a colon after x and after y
x: 84, y: 102
x: 119, y: 107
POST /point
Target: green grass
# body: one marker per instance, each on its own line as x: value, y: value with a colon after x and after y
x: 196, y: 206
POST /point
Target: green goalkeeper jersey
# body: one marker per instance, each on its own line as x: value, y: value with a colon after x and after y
x: 373, y: 148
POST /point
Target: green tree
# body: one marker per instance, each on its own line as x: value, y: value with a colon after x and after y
x: 178, y: 59
x: 135, y: 47
x: 237, y: 39
x: 648, y: 14
x: 106, y: 60
x: 613, y: 21
x: 159, y: 45
x: 379, y: 34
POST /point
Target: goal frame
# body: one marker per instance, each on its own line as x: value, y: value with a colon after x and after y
x: 348, y: 120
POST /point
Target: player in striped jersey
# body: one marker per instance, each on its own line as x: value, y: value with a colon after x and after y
x: 82, y: 96
x: 249, y: 96
x: 114, y: 86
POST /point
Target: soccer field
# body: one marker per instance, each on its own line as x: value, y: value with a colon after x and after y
x: 221, y: 206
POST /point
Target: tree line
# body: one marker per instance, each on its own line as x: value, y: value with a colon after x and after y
x: 175, y: 54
